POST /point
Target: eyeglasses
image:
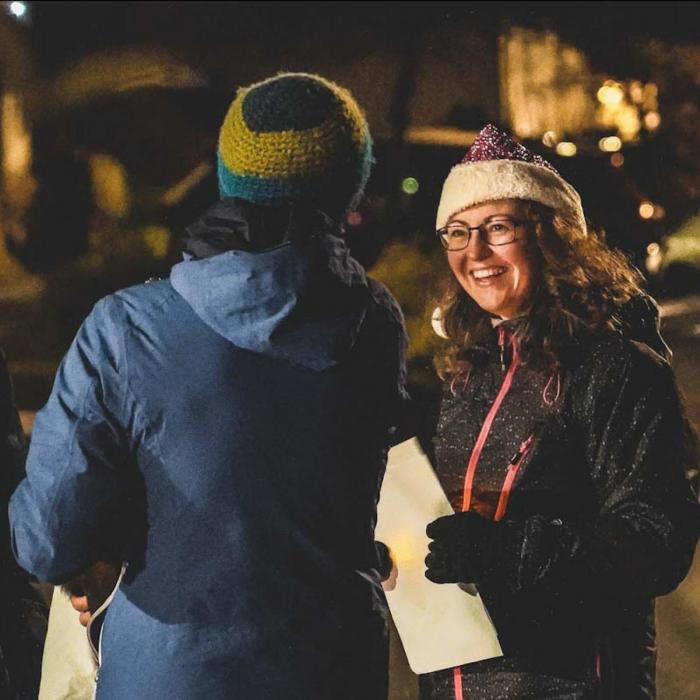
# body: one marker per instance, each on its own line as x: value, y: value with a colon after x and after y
x: 500, y: 231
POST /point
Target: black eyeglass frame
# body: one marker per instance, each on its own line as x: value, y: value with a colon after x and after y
x: 481, y: 228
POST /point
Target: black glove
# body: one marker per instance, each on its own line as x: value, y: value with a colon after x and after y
x: 460, y: 548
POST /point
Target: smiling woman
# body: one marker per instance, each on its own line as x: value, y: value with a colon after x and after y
x: 497, y: 267
x: 530, y: 257
x: 560, y: 442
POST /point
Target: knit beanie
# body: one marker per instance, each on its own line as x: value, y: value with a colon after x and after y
x: 496, y: 167
x: 293, y: 138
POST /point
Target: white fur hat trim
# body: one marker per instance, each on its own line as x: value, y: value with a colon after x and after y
x: 489, y: 180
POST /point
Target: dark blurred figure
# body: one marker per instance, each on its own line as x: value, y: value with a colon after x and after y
x: 23, y: 615
x: 57, y: 221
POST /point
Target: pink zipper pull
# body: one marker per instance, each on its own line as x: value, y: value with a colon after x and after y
x: 524, y: 446
x: 511, y: 473
x: 548, y: 401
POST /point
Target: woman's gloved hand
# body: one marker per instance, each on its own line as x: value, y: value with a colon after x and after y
x: 459, y: 547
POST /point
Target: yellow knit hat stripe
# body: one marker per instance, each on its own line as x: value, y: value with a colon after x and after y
x: 287, y: 153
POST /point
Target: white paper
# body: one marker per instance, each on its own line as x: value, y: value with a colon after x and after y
x: 440, y: 625
x: 68, y: 667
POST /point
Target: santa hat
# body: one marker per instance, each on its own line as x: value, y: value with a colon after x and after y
x: 496, y: 167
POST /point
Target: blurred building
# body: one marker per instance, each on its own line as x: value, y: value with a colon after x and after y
x: 114, y: 106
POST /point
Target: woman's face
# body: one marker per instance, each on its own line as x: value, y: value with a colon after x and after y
x: 499, y: 278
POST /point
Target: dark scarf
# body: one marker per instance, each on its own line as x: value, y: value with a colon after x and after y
x: 235, y: 224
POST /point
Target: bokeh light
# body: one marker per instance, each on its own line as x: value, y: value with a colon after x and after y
x: 611, y: 93
x: 646, y: 210
x: 617, y: 160
x: 566, y: 148
x: 610, y: 144
x: 410, y: 185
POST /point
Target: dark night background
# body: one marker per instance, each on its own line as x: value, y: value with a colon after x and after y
x: 109, y: 114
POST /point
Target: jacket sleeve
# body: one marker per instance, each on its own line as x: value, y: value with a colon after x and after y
x: 389, y: 358
x: 640, y: 540
x: 61, y: 514
x: 640, y: 320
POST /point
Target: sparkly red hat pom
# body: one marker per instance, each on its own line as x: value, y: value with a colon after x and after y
x: 494, y: 144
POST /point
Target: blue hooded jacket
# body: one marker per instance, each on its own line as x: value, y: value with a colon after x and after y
x: 225, y: 433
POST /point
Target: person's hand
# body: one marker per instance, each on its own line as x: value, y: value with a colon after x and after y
x: 81, y: 605
x: 456, y: 553
x: 89, y: 590
x: 389, y: 584
x: 388, y: 572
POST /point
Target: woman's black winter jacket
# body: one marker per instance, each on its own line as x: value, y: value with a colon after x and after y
x: 584, y: 470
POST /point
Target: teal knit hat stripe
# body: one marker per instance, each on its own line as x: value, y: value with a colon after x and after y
x: 279, y: 191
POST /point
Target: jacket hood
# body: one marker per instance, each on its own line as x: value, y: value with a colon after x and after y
x: 300, y: 302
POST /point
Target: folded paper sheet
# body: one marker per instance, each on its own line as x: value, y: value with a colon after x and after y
x: 440, y: 625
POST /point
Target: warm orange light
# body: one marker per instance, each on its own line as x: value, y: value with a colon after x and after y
x: 652, y: 120
x: 406, y: 550
x: 627, y: 122
x: 636, y: 91
x: 354, y: 218
x: 16, y: 136
x: 617, y: 160
x: 646, y: 210
x: 611, y: 93
x: 610, y: 144
x: 549, y: 138
x: 157, y: 240
x: 566, y: 148
x: 654, y: 258
x: 110, y: 185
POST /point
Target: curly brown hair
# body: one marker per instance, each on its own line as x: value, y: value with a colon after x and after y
x: 582, y: 285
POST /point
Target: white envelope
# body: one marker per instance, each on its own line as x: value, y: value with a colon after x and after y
x: 440, y: 625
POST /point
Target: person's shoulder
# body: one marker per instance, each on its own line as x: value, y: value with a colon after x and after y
x: 131, y: 306
x: 152, y: 292
x: 148, y: 299
x: 616, y: 352
x: 611, y: 361
x: 639, y: 319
